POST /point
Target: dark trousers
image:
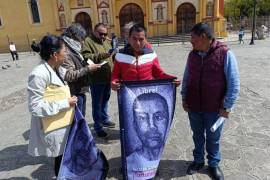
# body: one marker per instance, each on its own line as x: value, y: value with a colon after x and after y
x: 81, y: 103
x: 57, y: 164
x: 201, y: 123
x: 14, y: 54
x: 100, y: 94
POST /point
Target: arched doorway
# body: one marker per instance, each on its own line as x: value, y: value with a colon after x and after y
x: 130, y: 13
x: 84, y: 19
x: 186, y: 18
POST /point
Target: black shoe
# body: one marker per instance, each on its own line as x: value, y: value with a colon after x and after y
x: 108, y: 124
x: 194, y: 168
x: 215, y: 173
x: 102, y: 134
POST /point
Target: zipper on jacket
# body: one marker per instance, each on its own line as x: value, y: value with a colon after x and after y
x: 137, y: 68
x: 200, y: 84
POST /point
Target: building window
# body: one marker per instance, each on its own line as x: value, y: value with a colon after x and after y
x: 62, y: 20
x: 210, y: 9
x: 34, y: 11
x: 160, y: 16
x: 80, y: 2
x: 104, y: 17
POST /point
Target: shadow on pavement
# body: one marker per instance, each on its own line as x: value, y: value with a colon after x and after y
x: 167, y: 168
x: 113, y: 136
x: 45, y: 171
x: 18, y: 178
x: 26, y: 135
x: 16, y: 157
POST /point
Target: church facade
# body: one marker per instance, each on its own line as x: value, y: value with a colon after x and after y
x: 24, y: 20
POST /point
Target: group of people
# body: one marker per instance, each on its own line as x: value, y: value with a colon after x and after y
x: 210, y: 85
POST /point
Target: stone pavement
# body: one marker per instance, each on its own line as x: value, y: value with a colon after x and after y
x: 245, y: 143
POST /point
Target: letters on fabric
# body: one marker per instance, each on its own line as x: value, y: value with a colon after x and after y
x: 146, y: 110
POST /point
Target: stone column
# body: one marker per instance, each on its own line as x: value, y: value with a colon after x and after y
x: 170, y: 14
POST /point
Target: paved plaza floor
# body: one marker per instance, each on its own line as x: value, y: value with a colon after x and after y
x: 245, y: 144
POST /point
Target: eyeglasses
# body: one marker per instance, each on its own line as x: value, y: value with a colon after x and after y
x: 103, y: 34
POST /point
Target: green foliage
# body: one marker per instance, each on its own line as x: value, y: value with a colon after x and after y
x: 264, y: 7
x: 237, y: 9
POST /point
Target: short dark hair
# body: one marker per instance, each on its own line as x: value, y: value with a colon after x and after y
x: 203, y: 28
x: 49, y: 45
x: 98, y: 25
x: 151, y: 97
x: 137, y: 28
x: 75, y: 31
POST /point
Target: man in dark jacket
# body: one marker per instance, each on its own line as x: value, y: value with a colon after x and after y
x: 35, y: 46
x: 78, y: 71
x: 210, y: 88
x: 96, y: 49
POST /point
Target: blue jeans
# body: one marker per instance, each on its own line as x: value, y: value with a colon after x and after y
x: 100, y: 96
x: 81, y: 103
x: 201, y: 123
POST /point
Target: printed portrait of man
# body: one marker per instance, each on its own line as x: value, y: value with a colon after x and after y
x: 81, y: 157
x: 151, y: 120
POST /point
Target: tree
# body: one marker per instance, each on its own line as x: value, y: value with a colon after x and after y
x: 263, y: 7
x: 237, y: 9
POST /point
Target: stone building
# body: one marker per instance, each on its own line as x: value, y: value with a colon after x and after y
x: 24, y: 20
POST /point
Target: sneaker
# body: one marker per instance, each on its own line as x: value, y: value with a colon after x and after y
x: 102, y: 134
x: 194, y: 168
x: 108, y: 124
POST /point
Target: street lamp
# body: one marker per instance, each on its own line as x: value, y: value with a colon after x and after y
x: 253, y: 22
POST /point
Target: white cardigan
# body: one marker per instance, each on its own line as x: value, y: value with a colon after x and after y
x: 40, y: 144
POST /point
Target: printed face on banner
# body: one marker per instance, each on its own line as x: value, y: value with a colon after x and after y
x: 146, y: 111
x: 151, y: 116
x: 80, y: 160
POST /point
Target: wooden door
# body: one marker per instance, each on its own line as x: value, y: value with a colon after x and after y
x: 186, y: 18
x: 84, y: 19
x: 130, y: 13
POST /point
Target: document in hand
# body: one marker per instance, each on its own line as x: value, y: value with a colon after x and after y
x: 89, y: 61
x: 64, y: 118
x: 217, y: 124
x: 104, y: 62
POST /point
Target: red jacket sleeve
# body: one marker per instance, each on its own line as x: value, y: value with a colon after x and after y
x: 116, y: 73
x: 158, y: 72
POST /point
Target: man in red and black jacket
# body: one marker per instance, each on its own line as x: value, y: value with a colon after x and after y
x: 137, y: 60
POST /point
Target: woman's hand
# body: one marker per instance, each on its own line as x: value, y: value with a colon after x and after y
x: 177, y: 82
x: 72, y: 101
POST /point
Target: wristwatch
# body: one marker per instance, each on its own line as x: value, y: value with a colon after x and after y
x: 228, y: 110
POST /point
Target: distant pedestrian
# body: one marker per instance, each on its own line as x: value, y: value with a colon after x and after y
x: 13, y: 51
x: 241, y: 35
x: 114, y: 42
x: 35, y: 46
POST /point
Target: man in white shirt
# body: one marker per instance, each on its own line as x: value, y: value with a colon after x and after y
x: 13, y: 51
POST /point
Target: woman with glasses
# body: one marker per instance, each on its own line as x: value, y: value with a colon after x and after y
x: 48, y: 73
